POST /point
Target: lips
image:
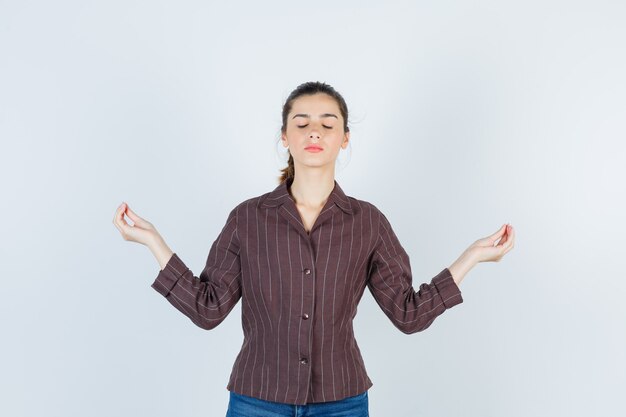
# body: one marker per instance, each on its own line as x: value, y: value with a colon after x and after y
x: 313, y: 147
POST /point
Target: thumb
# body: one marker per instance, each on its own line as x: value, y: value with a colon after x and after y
x: 135, y: 218
x: 498, y: 233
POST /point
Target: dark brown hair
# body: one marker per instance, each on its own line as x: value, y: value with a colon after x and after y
x: 309, y: 88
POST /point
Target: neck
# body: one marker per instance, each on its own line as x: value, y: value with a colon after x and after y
x: 311, y: 188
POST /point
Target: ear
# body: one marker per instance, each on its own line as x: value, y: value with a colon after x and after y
x: 346, y: 140
x: 283, y: 138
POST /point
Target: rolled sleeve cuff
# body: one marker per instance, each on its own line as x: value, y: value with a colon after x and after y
x: 448, y: 289
x: 169, y: 275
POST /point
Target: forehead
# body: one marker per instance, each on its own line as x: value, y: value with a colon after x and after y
x: 315, y: 105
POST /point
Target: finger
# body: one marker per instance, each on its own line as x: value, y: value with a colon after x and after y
x: 506, y: 237
x: 498, y: 233
x: 503, y: 240
x: 494, y: 237
x: 124, y: 228
x: 120, y: 221
x: 508, y: 242
x: 507, y: 249
x: 135, y: 218
x: 118, y: 213
x: 512, y: 235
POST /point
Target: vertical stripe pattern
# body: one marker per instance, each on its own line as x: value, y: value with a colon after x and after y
x: 300, y: 292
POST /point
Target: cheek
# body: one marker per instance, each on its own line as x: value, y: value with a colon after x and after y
x: 336, y: 140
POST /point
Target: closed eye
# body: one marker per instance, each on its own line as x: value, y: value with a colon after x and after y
x: 327, y: 127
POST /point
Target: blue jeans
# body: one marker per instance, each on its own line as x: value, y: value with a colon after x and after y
x: 244, y: 406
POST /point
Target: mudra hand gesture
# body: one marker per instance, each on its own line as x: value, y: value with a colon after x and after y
x: 485, y: 249
x: 141, y: 232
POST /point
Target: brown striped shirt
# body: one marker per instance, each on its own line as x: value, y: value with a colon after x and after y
x: 300, y: 292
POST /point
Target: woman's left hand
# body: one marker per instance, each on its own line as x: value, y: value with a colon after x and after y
x: 486, y: 250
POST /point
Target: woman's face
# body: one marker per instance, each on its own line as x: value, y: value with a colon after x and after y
x: 315, y: 120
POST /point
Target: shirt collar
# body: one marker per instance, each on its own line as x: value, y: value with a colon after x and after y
x: 280, y: 195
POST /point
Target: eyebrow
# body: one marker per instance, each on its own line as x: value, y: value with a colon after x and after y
x: 321, y: 115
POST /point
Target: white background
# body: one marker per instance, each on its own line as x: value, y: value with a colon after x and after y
x: 464, y: 116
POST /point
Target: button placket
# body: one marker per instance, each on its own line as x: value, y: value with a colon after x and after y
x: 305, y: 316
x: 308, y: 282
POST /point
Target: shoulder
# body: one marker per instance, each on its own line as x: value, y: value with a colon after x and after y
x: 255, y: 202
x: 373, y: 211
x: 250, y: 203
x: 363, y: 207
x: 360, y: 205
x: 368, y: 212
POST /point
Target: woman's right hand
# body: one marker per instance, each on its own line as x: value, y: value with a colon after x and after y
x: 486, y: 250
x: 141, y: 232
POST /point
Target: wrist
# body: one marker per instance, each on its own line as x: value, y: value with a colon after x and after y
x: 155, y: 242
x: 471, y: 257
x: 462, y: 266
x: 161, y: 251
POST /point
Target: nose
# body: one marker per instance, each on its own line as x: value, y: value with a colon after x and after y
x: 314, y: 135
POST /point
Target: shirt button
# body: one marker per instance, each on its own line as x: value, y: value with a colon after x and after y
x: 304, y: 361
x: 307, y: 271
x: 305, y: 316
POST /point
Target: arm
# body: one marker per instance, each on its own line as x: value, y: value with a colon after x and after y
x: 209, y: 298
x: 462, y: 266
x: 484, y: 250
x: 390, y: 282
x: 161, y: 251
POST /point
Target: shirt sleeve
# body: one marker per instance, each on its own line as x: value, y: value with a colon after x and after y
x: 391, y: 284
x: 209, y: 298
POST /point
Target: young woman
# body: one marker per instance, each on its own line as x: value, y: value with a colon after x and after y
x: 300, y: 257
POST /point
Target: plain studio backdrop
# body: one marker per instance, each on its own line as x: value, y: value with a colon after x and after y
x: 464, y: 116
